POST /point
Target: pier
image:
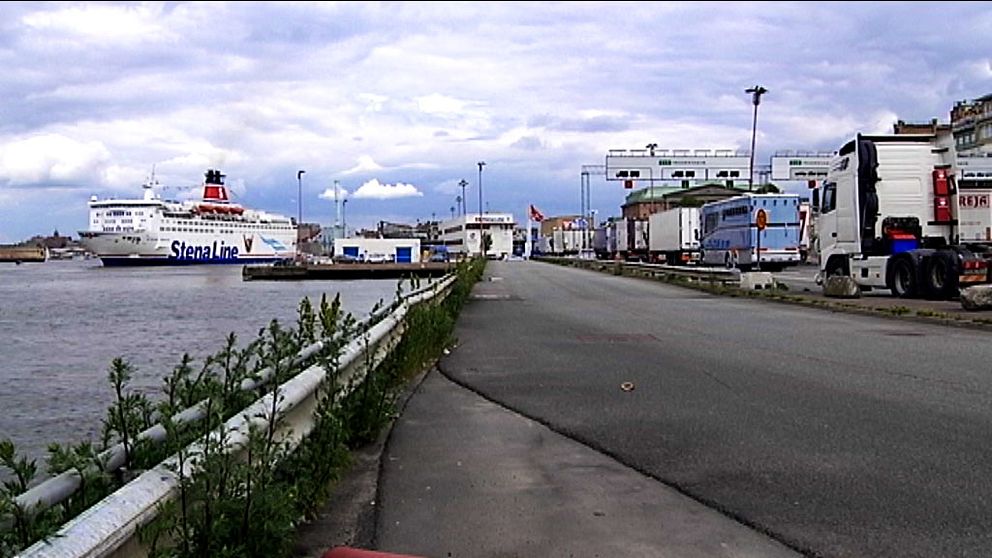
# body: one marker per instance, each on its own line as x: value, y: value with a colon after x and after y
x: 19, y: 254
x: 300, y: 272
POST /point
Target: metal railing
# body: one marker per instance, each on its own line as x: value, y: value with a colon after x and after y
x: 109, y: 527
x: 721, y: 275
x: 677, y: 153
x: 713, y: 275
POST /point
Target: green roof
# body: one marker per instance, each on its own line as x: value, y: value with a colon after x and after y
x: 658, y: 193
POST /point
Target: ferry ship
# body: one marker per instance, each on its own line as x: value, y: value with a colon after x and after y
x: 214, y: 230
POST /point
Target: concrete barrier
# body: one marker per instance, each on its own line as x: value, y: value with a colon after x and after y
x: 757, y: 281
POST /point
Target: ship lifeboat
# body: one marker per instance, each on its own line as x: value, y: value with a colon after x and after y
x: 219, y: 209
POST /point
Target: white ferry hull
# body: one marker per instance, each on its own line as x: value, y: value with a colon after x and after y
x: 152, y: 231
x: 140, y: 248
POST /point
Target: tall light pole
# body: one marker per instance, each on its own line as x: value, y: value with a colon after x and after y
x: 299, y: 218
x: 583, y: 176
x: 756, y: 92
x: 344, y: 219
x: 337, y: 211
x: 651, y: 147
x: 461, y: 200
x: 299, y: 197
x: 481, y: 164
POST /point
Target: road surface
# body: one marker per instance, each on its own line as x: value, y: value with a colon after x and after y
x: 837, y: 434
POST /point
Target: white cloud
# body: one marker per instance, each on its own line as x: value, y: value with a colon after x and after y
x: 102, y: 22
x: 51, y: 158
x: 440, y: 104
x: 329, y: 194
x: 374, y: 189
x: 365, y: 164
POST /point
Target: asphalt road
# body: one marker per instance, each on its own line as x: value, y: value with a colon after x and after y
x: 837, y: 434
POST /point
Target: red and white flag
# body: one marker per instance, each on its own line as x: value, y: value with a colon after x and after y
x: 536, y: 215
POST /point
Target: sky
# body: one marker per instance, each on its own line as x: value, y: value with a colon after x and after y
x: 398, y: 102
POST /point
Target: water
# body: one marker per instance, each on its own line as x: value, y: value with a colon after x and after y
x: 62, y: 322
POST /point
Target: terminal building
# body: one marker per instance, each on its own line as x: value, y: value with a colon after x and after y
x: 465, y: 236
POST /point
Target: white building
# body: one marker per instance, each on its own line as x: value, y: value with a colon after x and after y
x: 463, y: 235
x: 379, y: 250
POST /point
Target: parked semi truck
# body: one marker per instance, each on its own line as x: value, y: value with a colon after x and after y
x: 674, y: 236
x: 892, y: 216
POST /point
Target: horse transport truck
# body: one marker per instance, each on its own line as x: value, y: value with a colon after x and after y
x: 751, y: 231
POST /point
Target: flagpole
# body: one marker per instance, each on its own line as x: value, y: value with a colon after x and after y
x: 527, y: 241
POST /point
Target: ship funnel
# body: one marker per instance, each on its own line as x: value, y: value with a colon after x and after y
x: 213, y: 187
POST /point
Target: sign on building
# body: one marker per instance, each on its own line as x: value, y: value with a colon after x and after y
x: 974, y: 172
x: 676, y: 165
x: 801, y: 165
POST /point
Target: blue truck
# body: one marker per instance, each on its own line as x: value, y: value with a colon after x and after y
x: 751, y: 231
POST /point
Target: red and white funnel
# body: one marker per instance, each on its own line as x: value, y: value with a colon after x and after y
x: 213, y: 188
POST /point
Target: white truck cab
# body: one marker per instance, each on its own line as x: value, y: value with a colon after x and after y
x: 888, y: 218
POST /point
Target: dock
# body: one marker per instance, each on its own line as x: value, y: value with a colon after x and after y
x: 344, y: 271
x: 19, y: 254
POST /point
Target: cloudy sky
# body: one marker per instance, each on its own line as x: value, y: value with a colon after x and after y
x: 398, y: 102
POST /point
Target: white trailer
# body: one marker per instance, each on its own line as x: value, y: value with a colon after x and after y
x: 675, y: 236
x: 891, y: 217
x: 632, y: 239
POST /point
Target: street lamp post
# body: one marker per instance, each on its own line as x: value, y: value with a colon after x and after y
x: 461, y: 200
x: 481, y: 164
x: 583, y: 177
x: 344, y: 218
x: 651, y: 147
x: 756, y: 92
x: 299, y: 217
x: 299, y: 197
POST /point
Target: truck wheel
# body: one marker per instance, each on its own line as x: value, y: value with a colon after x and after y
x: 904, y: 284
x: 942, y: 276
x: 836, y: 266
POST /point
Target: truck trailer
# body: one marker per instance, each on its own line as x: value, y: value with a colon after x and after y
x: 632, y: 239
x: 674, y: 237
x: 892, y: 216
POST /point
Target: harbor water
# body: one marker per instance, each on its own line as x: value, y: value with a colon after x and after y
x: 63, y: 322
